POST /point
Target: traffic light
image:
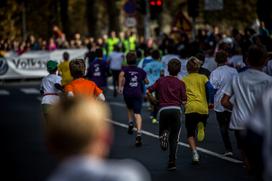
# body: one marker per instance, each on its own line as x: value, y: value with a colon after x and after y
x: 193, y: 8
x: 156, y: 7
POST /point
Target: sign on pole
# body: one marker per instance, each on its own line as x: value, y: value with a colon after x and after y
x: 213, y: 5
x: 130, y: 22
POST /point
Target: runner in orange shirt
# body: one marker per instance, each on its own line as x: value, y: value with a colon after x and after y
x: 81, y: 86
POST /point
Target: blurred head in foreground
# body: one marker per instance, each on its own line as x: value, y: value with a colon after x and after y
x: 78, y: 133
x: 78, y: 126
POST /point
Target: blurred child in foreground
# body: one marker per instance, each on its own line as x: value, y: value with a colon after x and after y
x: 80, y: 136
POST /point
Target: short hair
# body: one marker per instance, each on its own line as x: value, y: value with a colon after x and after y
x: 221, y: 57
x: 193, y: 65
x: 256, y: 56
x: 65, y: 55
x: 99, y: 52
x: 156, y: 54
x: 74, y: 123
x: 131, y: 58
x: 174, y: 66
x: 77, y: 68
x: 200, y: 56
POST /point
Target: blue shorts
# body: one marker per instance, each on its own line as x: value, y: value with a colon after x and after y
x: 134, y: 103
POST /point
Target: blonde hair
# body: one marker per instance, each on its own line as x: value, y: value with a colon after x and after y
x: 74, y: 123
x: 193, y: 64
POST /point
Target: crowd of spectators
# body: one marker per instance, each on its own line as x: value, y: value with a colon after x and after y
x: 208, y: 40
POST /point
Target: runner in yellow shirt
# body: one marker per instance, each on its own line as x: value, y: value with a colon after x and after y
x: 196, y: 108
x: 64, y: 69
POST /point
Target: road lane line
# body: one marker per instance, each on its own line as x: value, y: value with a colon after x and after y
x: 30, y: 91
x: 117, y: 104
x: 203, y: 150
x: 4, y: 92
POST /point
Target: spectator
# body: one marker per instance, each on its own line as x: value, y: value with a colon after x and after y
x: 77, y: 132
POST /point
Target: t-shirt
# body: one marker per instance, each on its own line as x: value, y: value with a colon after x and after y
x: 153, y: 71
x: 83, y: 87
x: 97, y: 72
x: 134, y: 78
x: 116, y: 60
x: 210, y: 64
x: 65, y: 72
x: 144, y: 62
x: 221, y: 76
x: 183, y: 70
x: 48, y: 87
x: 246, y: 88
x: 237, y: 61
x: 260, y: 122
x: 196, y: 93
x: 268, y: 68
x: 171, y: 91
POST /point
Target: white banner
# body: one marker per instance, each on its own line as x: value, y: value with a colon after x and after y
x: 212, y: 5
x: 32, y: 64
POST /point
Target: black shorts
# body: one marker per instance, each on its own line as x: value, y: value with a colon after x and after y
x: 191, y: 121
x: 134, y: 103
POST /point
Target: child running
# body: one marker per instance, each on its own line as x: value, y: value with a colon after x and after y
x: 172, y: 95
x: 154, y: 71
x: 99, y: 70
x: 221, y: 76
x: 196, y: 109
x: 50, y: 88
x: 81, y: 86
x: 242, y: 93
x: 130, y: 84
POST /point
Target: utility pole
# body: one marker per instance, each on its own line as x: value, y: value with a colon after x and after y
x: 24, y: 20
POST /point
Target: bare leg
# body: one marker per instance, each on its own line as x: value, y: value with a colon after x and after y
x: 138, y: 120
x: 191, y: 141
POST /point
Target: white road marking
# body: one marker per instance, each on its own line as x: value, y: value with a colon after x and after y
x: 30, y: 91
x: 117, y: 104
x: 4, y: 92
x: 203, y: 150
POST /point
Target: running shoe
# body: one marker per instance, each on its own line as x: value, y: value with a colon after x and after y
x: 130, y: 128
x: 138, y: 142
x: 200, y: 132
x: 195, y: 158
x: 164, y: 140
x: 228, y: 154
x: 154, y: 121
x: 171, y: 166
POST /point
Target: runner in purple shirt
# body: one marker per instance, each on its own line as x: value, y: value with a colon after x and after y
x: 130, y: 84
x: 98, y: 70
x: 172, y: 95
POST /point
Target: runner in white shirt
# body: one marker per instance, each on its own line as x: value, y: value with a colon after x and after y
x: 165, y: 60
x: 244, y: 90
x: 268, y: 67
x: 259, y: 138
x: 50, y: 87
x: 116, y: 59
x: 221, y: 76
x: 210, y: 63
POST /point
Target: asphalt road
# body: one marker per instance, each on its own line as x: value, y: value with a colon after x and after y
x: 24, y: 156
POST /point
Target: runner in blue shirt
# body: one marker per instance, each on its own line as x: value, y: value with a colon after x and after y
x: 154, y: 70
